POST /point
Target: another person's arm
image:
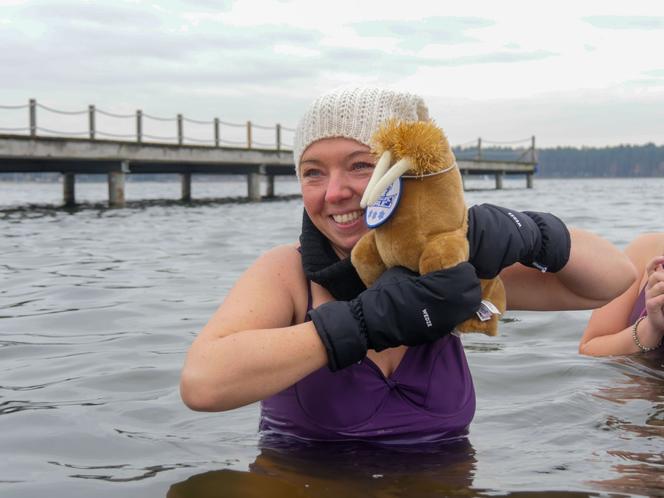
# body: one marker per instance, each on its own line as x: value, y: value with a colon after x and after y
x: 608, y: 331
x: 595, y: 274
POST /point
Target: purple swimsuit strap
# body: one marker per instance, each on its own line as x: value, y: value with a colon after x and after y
x: 639, y: 308
x: 310, y: 298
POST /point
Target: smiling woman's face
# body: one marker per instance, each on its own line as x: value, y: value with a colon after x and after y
x: 334, y: 173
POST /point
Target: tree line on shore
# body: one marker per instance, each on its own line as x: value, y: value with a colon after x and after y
x: 570, y: 162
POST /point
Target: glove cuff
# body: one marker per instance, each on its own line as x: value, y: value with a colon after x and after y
x: 341, y: 328
x: 556, y: 242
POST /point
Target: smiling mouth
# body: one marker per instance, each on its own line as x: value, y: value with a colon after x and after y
x: 347, y: 218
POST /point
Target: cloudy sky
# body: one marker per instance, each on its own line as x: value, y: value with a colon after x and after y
x: 572, y: 73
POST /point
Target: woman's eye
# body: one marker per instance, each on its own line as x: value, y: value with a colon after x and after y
x: 361, y: 166
x: 308, y: 173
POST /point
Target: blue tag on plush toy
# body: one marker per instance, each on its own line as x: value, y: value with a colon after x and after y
x: 380, y: 211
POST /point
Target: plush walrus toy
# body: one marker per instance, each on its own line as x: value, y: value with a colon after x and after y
x: 415, y: 204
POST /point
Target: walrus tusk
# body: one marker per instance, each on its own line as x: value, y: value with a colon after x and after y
x: 382, y: 166
x: 392, y: 174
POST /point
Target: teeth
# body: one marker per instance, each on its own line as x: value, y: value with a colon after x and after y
x: 346, y: 217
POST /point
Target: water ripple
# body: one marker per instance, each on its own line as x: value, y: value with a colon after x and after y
x: 113, y: 474
x: 14, y: 406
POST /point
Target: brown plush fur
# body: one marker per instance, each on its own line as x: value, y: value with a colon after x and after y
x: 428, y: 230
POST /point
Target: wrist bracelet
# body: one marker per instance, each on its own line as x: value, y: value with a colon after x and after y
x: 644, y: 349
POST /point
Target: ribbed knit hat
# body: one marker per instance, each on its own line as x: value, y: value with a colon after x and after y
x: 354, y: 113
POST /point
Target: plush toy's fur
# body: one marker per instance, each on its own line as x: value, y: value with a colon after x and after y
x: 428, y: 231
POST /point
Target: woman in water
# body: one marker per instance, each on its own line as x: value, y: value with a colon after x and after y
x: 634, y: 321
x: 330, y: 360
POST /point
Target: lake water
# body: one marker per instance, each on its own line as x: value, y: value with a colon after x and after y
x: 98, y: 307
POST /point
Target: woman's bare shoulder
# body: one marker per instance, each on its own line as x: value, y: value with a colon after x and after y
x: 645, y: 247
x: 267, y: 295
x: 284, y: 259
x: 650, y: 239
x: 282, y: 265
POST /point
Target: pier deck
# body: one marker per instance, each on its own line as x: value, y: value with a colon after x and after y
x: 72, y: 156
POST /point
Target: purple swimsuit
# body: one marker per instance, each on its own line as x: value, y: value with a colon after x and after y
x: 429, y: 397
x: 639, y: 309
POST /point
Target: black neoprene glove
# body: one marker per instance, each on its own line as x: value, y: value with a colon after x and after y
x: 499, y: 237
x: 401, y: 308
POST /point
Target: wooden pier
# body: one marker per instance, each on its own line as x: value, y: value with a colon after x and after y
x: 20, y: 154
x: 33, y: 152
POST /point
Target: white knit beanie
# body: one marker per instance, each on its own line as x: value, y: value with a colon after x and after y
x: 354, y: 113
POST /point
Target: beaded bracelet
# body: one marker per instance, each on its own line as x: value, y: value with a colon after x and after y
x: 644, y: 349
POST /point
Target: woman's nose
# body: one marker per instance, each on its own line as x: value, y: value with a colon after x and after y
x: 338, y: 188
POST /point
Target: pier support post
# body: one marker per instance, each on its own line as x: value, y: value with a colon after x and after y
x: 254, y: 183
x: 116, y: 193
x: 185, y: 179
x: 270, y: 186
x: 254, y: 186
x: 529, y: 180
x: 68, y: 189
x: 463, y: 180
x: 499, y: 180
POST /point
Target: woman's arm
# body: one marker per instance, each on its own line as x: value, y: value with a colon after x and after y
x: 595, y: 273
x: 249, y: 350
x: 608, y: 331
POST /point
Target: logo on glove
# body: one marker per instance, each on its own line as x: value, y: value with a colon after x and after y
x: 425, y: 314
x: 514, y: 218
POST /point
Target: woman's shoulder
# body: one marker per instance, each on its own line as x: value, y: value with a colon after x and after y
x: 650, y: 239
x: 283, y: 263
x: 642, y: 250
x: 282, y: 257
x: 645, y: 247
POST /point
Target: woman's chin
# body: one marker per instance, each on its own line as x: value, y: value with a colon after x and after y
x: 344, y: 246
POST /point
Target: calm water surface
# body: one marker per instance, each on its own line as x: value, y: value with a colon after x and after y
x: 97, y: 309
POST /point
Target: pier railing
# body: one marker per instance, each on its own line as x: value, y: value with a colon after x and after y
x: 517, y: 151
x: 97, y: 150
x: 220, y: 133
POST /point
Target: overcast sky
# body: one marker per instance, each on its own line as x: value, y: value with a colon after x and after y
x: 572, y: 73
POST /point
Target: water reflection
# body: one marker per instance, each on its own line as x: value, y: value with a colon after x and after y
x: 640, y: 472
x: 288, y: 469
x: 353, y: 470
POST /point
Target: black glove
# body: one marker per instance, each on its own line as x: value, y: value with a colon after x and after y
x: 401, y: 308
x: 499, y: 237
